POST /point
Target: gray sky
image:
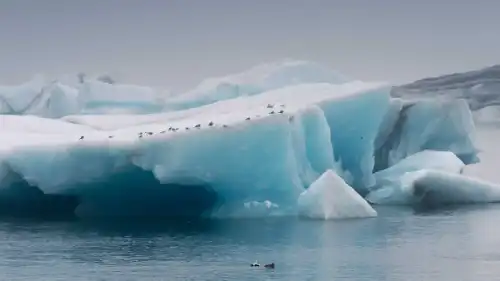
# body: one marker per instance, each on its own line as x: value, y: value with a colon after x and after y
x: 177, y: 43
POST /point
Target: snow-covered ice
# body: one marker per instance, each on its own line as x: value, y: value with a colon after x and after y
x: 329, y: 197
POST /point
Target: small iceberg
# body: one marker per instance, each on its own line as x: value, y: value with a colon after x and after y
x: 329, y: 197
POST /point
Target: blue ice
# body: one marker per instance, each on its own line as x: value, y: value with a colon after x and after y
x: 249, y: 154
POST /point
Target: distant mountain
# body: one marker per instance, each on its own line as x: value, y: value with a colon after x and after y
x: 481, y: 88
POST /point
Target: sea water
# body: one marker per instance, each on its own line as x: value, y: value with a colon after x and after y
x: 400, y: 244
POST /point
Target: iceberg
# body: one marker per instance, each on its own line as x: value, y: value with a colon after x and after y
x: 257, y: 80
x: 329, y: 197
x: 63, y: 97
x: 242, y: 155
x: 392, y: 184
x: 433, y: 188
x: 426, y: 125
x: 437, y: 188
x: 270, y: 157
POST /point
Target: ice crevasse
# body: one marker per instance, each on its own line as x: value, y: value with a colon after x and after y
x: 249, y: 155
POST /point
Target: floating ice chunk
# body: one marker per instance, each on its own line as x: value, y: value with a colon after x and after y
x: 252, y: 209
x: 391, y: 184
x: 437, y: 188
x: 329, y: 197
x: 266, y: 205
x: 428, y: 159
x: 432, y: 188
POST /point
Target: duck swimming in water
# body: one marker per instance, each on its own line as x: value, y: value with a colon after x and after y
x: 269, y: 265
x: 255, y: 264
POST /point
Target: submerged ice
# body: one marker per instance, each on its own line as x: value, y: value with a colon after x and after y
x: 248, y: 152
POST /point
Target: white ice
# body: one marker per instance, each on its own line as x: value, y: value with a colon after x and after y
x: 436, y: 188
x: 58, y: 98
x: 256, y: 80
x: 392, y: 184
x: 433, y: 188
x: 329, y: 197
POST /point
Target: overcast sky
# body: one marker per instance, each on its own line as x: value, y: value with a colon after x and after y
x: 176, y: 43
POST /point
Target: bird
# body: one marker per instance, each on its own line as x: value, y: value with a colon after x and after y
x: 269, y: 265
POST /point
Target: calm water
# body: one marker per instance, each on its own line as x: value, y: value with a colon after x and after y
x: 400, y: 244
